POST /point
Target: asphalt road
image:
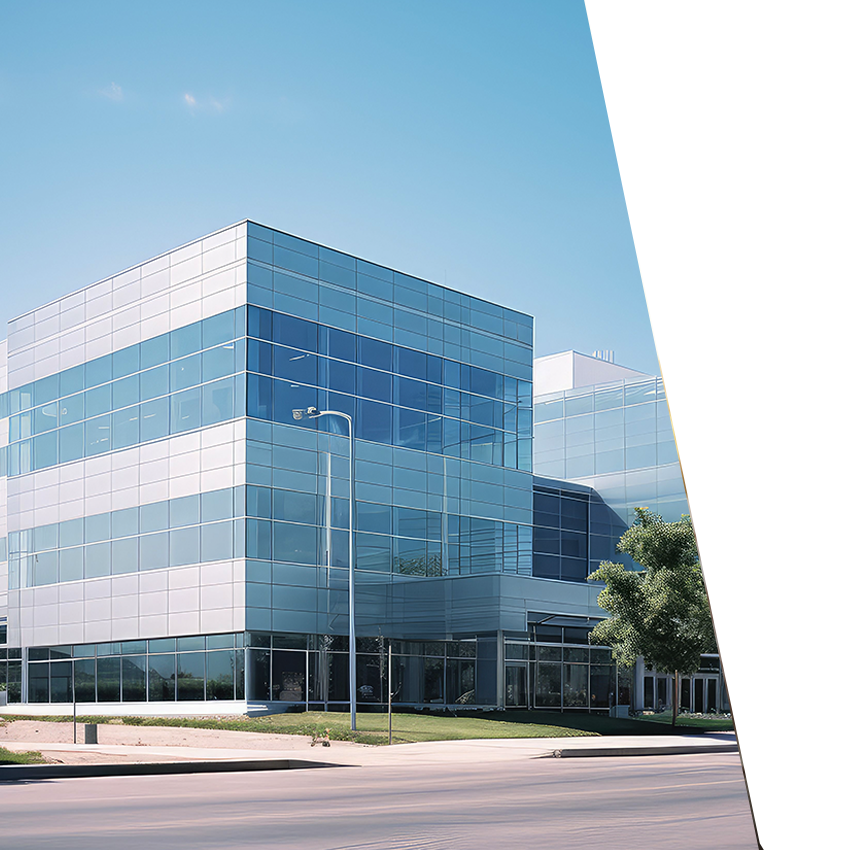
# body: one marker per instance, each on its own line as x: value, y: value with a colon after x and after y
x: 691, y: 801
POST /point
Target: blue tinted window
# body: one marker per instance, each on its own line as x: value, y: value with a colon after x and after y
x: 409, y: 428
x: 296, y: 262
x: 97, y: 435
x: 294, y: 507
x: 45, y: 450
x: 369, y: 285
x: 435, y: 434
x: 98, y: 400
x: 218, y: 402
x: 125, y: 362
x: 217, y: 329
x: 186, y: 410
x: 373, y: 552
x: 153, y: 517
x: 486, y: 383
x: 336, y: 274
x: 71, y: 443
x: 374, y: 518
x: 154, y: 420
x: 451, y: 373
x: 184, y: 546
x: 97, y: 528
x: 216, y: 505
x: 153, y: 383
x: 342, y: 345
x: 218, y: 362
x: 289, y: 396
x: 259, y: 250
x: 99, y: 371
x: 295, y: 365
x: 217, y: 541
x: 299, y: 333
x: 411, y: 363
x: 341, y: 377
x: 260, y: 357
x: 72, y: 380
x: 186, y: 340
x: 259, y: 323
x: 154, y: 351
x: 185, y: 511
x: 258, y: 502
x: 374, y: 353
x: 97, y: 560
x: 45, y: 418
x: 374, y: 421
x: 46, y: 389
x: 125, y: 523
x: 125, y: 392
x: 260, y: 394
x: 434, y: 369
x: 295, y: 543
x: 125, y: 428
x: 409, y: 393
x: 374, y: 385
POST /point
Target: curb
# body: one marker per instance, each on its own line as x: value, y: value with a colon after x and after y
x: 681, y: 750
x: 78, y: 771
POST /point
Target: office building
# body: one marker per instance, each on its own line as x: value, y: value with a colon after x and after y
x: 174, y: 537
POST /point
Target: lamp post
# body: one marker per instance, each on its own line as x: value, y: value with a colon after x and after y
x: 315, y: 413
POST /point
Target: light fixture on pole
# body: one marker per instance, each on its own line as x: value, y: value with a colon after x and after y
x: 315, y: 413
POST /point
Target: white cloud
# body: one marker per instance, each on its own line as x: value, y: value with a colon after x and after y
x: 114, y: 92
x: 207, y: 104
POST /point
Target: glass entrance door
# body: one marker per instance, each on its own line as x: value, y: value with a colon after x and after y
x: 516, y: 685
x: 699, y: 695
x: 712, y: 695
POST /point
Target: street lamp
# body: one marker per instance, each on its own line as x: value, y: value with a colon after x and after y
x: 315, y: 413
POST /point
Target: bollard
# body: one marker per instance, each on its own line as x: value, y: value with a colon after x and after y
x: 91, y: 733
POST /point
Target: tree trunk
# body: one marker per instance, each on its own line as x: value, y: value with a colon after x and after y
x: 675, y: 696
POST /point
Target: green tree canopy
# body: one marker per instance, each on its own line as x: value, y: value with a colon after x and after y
x: 661, y: 611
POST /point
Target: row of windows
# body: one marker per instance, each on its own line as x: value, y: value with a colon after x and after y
x: 307, y: 258
x: 207, y: 507
x: 215, y: 675
x: 308, y: 508
x: 304, y: 368
x: 311, y: 337
x: 577, y: 686
x: 181, y: 547
x: 136, y: 647
x: 574, y: 402
x: 274, y: 400
x: 191, y: 371
x: 191, y: 339
x: 209, y: 404
x: 632, y: 458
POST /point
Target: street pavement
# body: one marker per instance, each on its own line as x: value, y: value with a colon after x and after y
x: 653, y: 802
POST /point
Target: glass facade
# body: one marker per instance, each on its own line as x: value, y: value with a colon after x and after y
x: 181, y: 381
x: 617, y: 439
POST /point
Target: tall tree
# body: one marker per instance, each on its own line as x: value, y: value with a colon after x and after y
x: 661, y: 611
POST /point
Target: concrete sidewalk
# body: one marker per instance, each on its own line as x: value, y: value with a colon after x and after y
x: 341, y: 753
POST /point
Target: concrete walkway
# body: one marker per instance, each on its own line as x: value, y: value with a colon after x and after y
x: 228, y: 748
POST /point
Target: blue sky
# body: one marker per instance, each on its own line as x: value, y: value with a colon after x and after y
x: 466, y: 143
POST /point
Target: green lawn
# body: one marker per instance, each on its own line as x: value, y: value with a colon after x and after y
x: 8, y: 757
x: 692, y: 723
x: 412, y: 727
x: 372, y: 728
